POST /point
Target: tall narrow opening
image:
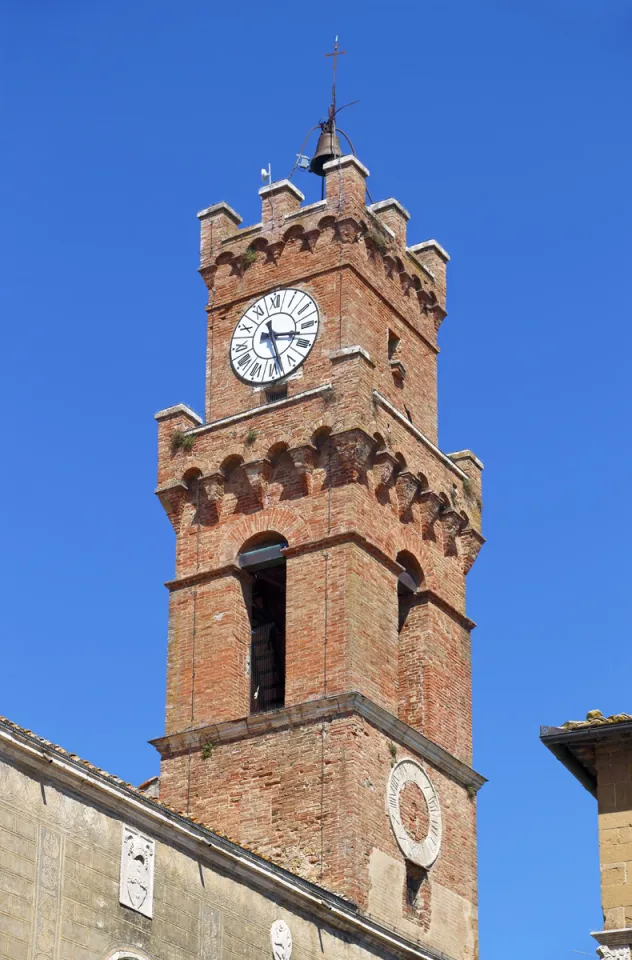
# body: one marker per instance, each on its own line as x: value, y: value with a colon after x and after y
x: 408, y: 583
x: 263, y: 559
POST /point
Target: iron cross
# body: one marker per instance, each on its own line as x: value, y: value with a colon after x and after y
x: 335, y: 54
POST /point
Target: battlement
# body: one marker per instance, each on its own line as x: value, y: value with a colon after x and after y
x: 382, y: 225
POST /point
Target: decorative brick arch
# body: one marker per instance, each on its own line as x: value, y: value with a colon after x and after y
x: 190, y: 466
x: 412, y: 542
x: 280, y: 519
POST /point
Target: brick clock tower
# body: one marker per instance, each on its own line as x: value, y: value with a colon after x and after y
x: 318, y: 676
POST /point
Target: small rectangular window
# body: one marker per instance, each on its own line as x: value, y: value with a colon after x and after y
x: 276, y: 392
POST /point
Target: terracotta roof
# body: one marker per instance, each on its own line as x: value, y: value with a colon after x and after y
x: 575, y: 742
x: 139, y: 791
x: 595, y: 718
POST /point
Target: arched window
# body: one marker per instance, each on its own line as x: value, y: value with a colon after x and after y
x: 408, y: 584
x: 263, y: 559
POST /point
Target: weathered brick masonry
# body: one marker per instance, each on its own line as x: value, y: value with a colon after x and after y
x: 346, y: 470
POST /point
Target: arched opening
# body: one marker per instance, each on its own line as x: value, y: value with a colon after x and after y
x: 262, y: 558
x: 408, y: 583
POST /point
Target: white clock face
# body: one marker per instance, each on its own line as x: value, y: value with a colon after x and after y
x: 274, y: 336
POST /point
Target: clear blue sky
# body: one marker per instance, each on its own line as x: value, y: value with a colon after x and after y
x: 505, y: 129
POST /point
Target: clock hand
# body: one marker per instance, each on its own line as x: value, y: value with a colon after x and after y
x: 274, y: 344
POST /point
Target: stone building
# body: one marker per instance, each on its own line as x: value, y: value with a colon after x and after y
x: 598, y: 752
x: 318, y: 680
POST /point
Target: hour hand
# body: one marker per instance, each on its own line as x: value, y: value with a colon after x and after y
x: 271, y: 336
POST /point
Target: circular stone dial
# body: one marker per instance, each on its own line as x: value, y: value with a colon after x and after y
x: 422, y: 852
x: 274, y: 336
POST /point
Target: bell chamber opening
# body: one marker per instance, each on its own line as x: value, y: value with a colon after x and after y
x: 263, y: 559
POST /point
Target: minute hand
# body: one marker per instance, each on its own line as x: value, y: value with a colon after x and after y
x: 274, y: 344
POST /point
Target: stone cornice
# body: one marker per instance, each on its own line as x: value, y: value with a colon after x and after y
x: 178, y: 409
x: 199, y: 842
x: 280, y: 186
x: 257, y: 411
x: 445, y: 459
x: 346, y: 353
x: 613, y: 938
x: 315, y: 711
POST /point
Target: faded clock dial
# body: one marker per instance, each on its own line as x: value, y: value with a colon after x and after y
x: 274, y: 336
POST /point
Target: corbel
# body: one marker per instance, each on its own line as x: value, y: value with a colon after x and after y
x: 429, y: 508
x: 173, y: 499
x: 471, y: 542
x: 452, y: 523
x: 406, y: 486
x: 258, y: 476
x: 303, y: 460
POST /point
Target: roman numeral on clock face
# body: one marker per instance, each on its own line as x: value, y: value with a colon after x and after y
x: 244, y: 360
x: 302, y: 343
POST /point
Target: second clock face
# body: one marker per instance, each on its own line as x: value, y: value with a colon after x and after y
x: 274, y: 336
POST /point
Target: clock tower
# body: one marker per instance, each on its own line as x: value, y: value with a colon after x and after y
x: 318, y: 675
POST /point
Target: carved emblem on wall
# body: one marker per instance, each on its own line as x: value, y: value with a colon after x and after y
x: 281, y: 940
x: 614, y: 953
x: 137, y: 872
x: 422, y: 852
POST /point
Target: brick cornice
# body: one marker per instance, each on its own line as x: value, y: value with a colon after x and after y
x: 204, y: 576
x: 429, y: 596
x: 315, y: 711
x: 325, y: 543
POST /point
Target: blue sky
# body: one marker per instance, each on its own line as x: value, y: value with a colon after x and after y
x: 504, y: 129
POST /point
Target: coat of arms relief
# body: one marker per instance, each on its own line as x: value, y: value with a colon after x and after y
x: 137, y: 872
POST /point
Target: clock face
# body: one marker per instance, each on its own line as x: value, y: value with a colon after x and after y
x: 274, y: 336
x: 424, y: 851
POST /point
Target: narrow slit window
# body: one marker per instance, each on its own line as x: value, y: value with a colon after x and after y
x: 393, y: 345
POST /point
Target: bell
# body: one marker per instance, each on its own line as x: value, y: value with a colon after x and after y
x: 327, y: 148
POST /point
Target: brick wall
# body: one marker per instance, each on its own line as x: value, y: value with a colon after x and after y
x: 345, y: 470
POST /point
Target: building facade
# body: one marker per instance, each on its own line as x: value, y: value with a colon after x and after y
x: 316, y: 791
x: 598, y: 752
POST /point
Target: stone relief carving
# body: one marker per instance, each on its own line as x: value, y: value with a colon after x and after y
x: 281, y: 940
x: 210, y: 932
x: 614, y: 953
x: 137, y: 872
x: 48, y: 895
